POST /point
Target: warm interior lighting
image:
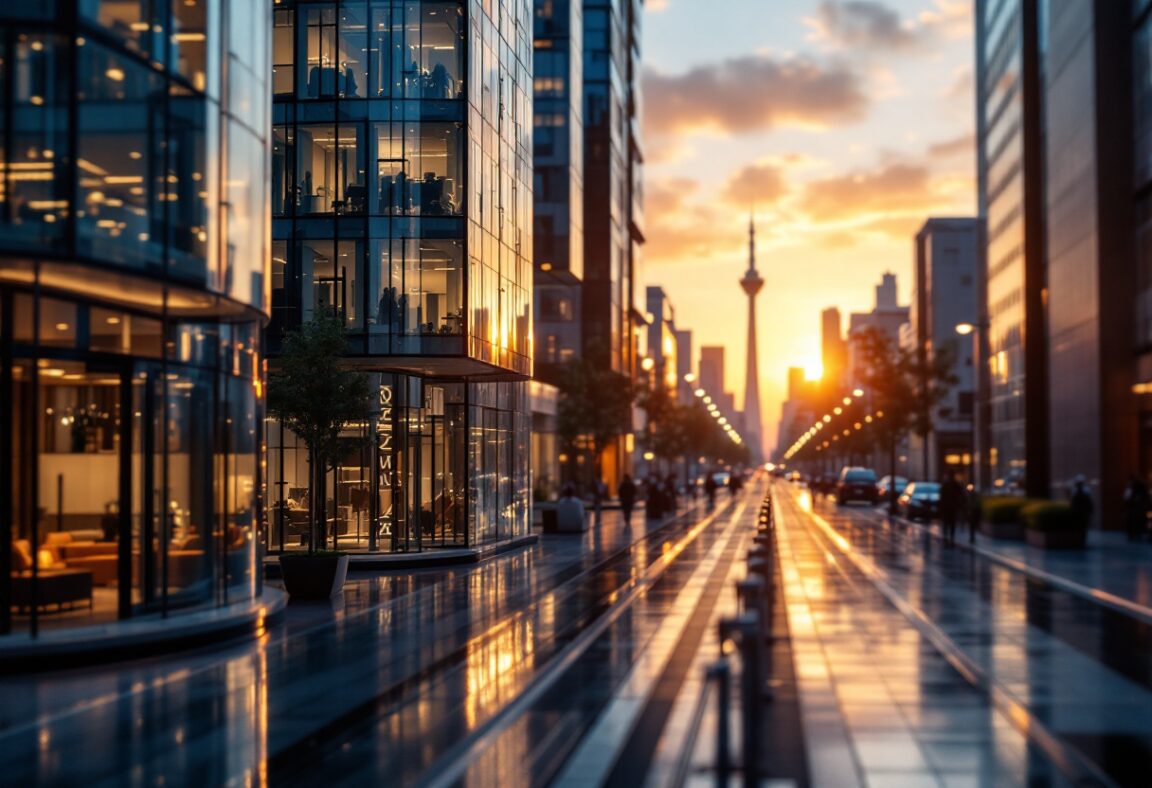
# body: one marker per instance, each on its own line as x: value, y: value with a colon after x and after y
x: 115, y: 74
x: 61, y: 326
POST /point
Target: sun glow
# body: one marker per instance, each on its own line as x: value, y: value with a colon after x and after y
x: 813, y: 370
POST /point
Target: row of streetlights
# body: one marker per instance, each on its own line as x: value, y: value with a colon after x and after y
x: 816, y: 429
x: 714, y: 411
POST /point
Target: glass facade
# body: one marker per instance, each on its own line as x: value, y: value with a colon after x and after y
x: 559, y: 181
x: 133, y: 289
x: 1011, y: 201
x: 401, y: 191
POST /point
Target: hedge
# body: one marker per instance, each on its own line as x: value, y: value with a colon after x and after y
x: 1003, y: 511
x: 1050, y: 516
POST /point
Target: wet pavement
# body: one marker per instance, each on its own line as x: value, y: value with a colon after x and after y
x: 487, y: 673
x: 937, y: 665
x: 579, y: 662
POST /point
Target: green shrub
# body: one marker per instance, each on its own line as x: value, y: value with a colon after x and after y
x: 1003, y: 511
x: 1050, y: 516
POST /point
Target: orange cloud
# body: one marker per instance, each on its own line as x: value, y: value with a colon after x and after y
x: 756, y: 184
x: 753, y: 93
x: 893, y: 187
x: 964, y: 145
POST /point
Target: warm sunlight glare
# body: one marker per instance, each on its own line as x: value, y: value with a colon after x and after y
x: 813, y: 370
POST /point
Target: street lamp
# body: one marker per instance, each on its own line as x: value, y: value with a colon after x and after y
x: 647, y: 364
x: 700, y: 392
x: 690, y: 377
x: 979, y: 418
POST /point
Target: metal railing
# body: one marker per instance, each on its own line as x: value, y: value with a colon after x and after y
x: 747, y: 635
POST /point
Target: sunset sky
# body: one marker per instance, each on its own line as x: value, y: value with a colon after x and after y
x: 847, y: 123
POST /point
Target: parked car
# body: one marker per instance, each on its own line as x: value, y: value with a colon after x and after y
x: 824, y: 484
x: 856, y: 484
x: 883, y: 489
x: 920, y: 501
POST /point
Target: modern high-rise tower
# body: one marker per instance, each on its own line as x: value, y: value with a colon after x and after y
x: 752, y: 284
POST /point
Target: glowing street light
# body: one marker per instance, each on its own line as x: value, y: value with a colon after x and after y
x: 964, y: 329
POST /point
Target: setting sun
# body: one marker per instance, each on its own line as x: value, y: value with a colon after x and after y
x: 813, y: 370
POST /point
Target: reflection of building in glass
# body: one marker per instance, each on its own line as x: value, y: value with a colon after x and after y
x: 401, y: 201
x: 132, y: 291
x: 558, y: 147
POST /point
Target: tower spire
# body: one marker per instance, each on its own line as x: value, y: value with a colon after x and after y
x: 752, y: 241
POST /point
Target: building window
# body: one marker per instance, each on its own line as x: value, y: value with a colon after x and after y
x: 283, y: 33
x: 121, y: 183
x: 329, y: 165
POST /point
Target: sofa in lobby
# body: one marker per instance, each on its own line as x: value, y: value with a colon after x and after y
x: 55, y: 582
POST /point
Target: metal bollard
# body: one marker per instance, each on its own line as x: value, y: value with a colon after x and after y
x: 753, y: 599
x: 721, y: 673
x: 746, y: 633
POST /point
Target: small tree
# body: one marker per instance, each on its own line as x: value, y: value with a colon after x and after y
x: 595, y: 403
x: 905, y: 387
x: 315, y: 396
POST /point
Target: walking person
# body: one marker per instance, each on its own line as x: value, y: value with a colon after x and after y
x: 1136, y: 508
x: 710, y: 490
x: 975, y: 513
x: 654, y: 505
x: 951, y: 503
x: 599, y: 493
x: 1081, y: 502
x: 627, y: 493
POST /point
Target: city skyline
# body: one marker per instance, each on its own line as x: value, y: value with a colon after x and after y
x: 837, y: 195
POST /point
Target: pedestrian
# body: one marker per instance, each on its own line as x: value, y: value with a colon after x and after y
x: 734, y: 484
x: 1136, y: 508
x: 951, y: 503
x: 627, y: 493
x: 670, y: 490
x: 710, y: 489
x: 655, y: 503
x: 975, y: 512
x: 599, y: 493
x: 1081, y: 502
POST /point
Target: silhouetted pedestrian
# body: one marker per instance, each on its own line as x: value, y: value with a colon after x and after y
x: 599, y: 493
x: 1081, y: 502
x: 1136, y: 508
x: 975, y: 513
x: 655, y: 498
x: 627, y: 493
x: 951, y: 504
x: 734, y: 484
x: 710, y: 490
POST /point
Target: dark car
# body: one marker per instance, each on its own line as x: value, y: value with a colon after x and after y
x: 920, y: 501
x: 824, y: 484
x: 856, y: 484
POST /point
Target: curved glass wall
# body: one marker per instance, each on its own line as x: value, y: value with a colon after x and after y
x: 401, y: 178
x: 133, y: 288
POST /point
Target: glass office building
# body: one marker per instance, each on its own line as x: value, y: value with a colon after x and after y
x: 401, y: 190
x: 133, y: 289
x: 1010, y: 150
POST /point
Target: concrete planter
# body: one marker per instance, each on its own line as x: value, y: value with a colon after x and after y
x: 1057, y: 540
x: 313, y: 576
x: 1010, y: 531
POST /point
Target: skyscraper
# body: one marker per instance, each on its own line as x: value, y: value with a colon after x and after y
x: 833, y: 350
x: 1010, y: 172
x: 752, y: 283
x: 402, y: 199
x: 558, y: 154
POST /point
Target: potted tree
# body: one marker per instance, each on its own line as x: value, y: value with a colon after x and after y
x: 315, y: 396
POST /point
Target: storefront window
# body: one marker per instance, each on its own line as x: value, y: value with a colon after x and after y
x: 284, y: 192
